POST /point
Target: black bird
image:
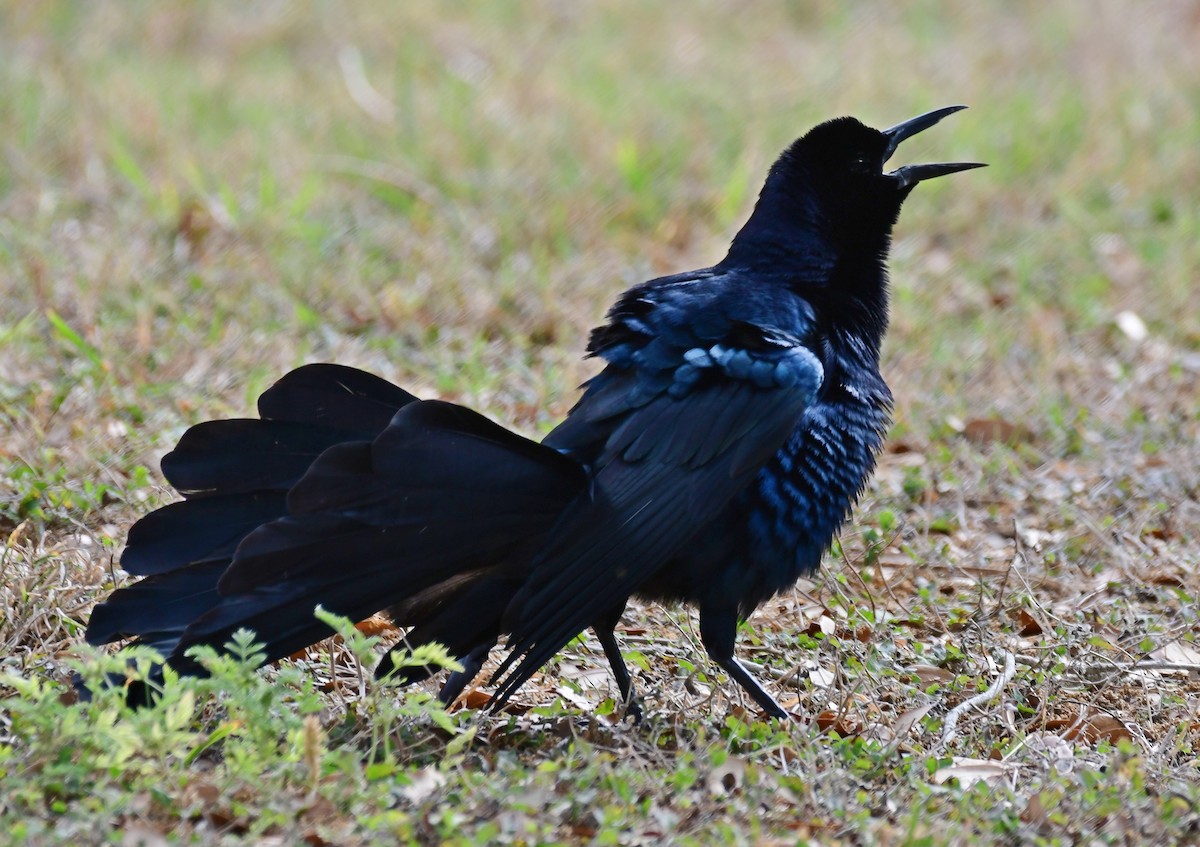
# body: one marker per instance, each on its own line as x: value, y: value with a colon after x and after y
x: 711, y: 461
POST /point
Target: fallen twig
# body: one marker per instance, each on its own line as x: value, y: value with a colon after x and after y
x: 951, y: 723
x: 1107, y: 670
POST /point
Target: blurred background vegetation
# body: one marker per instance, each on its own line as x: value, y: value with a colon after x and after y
x: 209, y: 194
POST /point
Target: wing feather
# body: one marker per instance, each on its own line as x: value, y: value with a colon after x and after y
x: 671, y: 467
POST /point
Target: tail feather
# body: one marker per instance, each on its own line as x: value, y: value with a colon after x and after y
x: 468, y: 618
x: 281, y: 615
x: 202, y: 530
x: 236, y: 475
x: 441, y: 485
x: 157, y: 608
x: 241, y: 455
x: 334, y: 396
x: 437, y: 516
x: 325, y: 548
x: 308, y: 410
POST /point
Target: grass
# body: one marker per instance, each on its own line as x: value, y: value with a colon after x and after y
x: 194, y: 200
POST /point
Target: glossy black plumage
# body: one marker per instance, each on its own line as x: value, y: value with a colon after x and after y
x: 711, y: 461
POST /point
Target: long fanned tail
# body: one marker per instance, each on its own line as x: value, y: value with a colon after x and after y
x: 235, y: 475
x: 442, y: 503
x: 422, y: 507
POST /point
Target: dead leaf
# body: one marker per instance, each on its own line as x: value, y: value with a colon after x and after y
x: 970, y: 771
x: 824, y: 624
x: 584, y: 830
x: 578, y: 701
x: 1034, y: 813
x: 995, y: 430
x: 377, y: 625
x: 822, y: 678
x: 1028, y: 624
x: 224, y: 818
x: 194, y: 226
x: 727, y: 777
x: 892, y: 559
x: 203, y: 792
x: 1091, y: 729
x: 423, y: 784
x: 843, y: 725
x: 1120, y: 262
x: 589, y: 677
x: 907, y: 719
x: 141, y: 834
x: 1178, y: 653
x: 930, y: 675
x: 473, y: 699
x: 789, y: 754
x: 320, y: 810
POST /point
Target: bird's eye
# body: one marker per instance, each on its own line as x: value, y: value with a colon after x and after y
x: 861, y: 163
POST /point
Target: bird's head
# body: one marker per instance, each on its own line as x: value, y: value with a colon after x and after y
x: 845, y: 158
x: 829, y: 191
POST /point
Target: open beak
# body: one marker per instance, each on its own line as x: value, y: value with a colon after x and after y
x: 908, y: 175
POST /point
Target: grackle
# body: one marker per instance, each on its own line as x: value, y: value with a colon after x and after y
x: 734, y: 424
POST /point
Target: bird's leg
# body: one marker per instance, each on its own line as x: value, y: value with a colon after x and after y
x: 718, y: 631
x: 458, y: 680
x: 604, y: 629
